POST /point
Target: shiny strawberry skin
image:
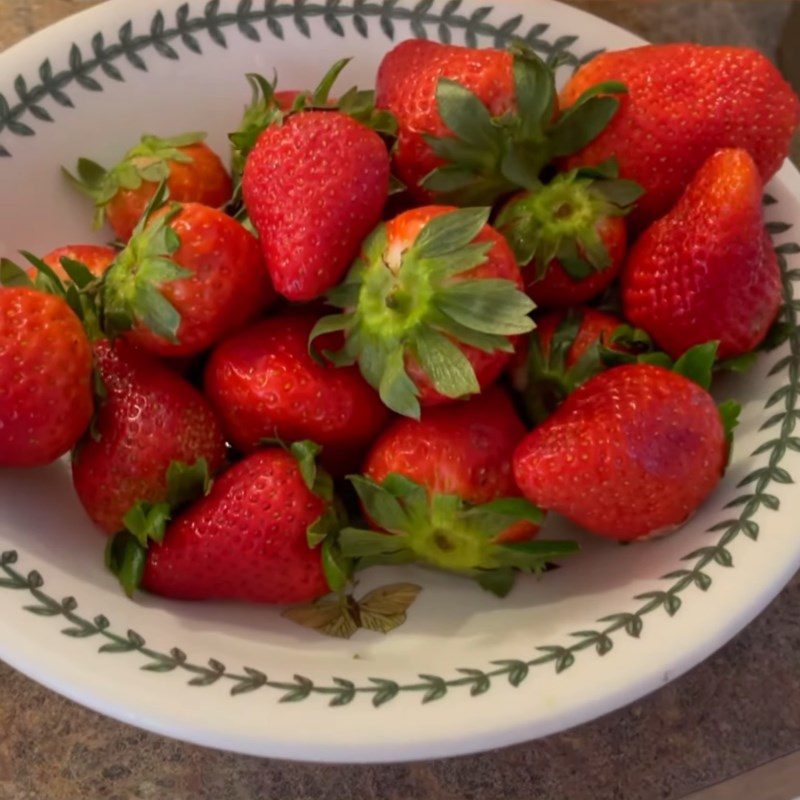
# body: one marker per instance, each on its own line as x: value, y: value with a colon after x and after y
x: 228, y: 288
x: 149, y: 418
x: 685, y: 101
x: 406, y: 86
x: 45, y: 378
x: 246, y: 540
x: 97, y: 258
x: 203, y: 180
x: 264, y: 384
x: 632, y: 452
x: 314, y: 187
x: 707, y: 270
x: 463, y: 449
x: 557, y: 289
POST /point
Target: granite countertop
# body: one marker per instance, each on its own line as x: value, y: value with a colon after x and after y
x: 739, y: 709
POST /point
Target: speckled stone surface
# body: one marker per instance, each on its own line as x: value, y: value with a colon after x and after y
x: 737, y: 710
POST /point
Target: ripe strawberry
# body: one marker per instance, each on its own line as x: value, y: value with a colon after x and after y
x: 248, y: 539
x: 45, y: 377
x: 684, y: 102
x: 189, y: 276
x: 442, y: 486
x: 264, y: 384
x: 632, y: 452
x: 147, y: 418
x: 474, y: 125
x: 192, y: 171
x: 96, y: 258
x: 314, y: 187
x: 707, y: 270
x: 569, y: 235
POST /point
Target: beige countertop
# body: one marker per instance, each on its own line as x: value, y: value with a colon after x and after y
x: 738, y: 710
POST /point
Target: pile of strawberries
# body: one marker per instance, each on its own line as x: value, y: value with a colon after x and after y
x: 409, y: 324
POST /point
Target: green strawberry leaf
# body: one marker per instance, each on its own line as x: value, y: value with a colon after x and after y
x: 739, y: 364
x: 12, y: 275
x: 187, y: 482
x: 697, y: 363
x: 337, y: 568
x: 126, y: 558
x: 147, y: 521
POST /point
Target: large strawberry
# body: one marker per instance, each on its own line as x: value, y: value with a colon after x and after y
x: 684, y: 102
x: 192, y: 171
x: 569, y: 235
x: 632, y: 452
x: 443, y: 488
x: 45, y: 377
x: 431, y: 307
x: 264, y: 384
x: 189, y: 276
x: 474, y: 125
x: 707, y: 270
x: 314, y: 186
x: 147, y: 417
x: 253, y: 537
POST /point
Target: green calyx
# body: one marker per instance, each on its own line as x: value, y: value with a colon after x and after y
x: 126, y: 551
x: 149, y: 161
x: 488, y: 157
x: 131, y: 286
x: 446, y: 532
x: 417, y: 304
x: 559, y: 220
x: 265, y: 111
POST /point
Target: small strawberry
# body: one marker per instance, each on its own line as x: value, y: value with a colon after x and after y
x: 707, y: 270
x: 189, y: 276
x: 430, y: 308
x: 147, y: 417
x: 474, y: 125
x: 253, y: 537
x: 443, y: 487
x: 192, y: 171
x: 684, y: 102
x: 314, y: 186
x: 96, y: 258
x: 632, y: 452
x: 264, y: 384
x: 569, y: 235
x: 45, y: 377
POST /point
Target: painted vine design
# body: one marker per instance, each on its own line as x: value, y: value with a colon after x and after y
x: 423, y: 18
x: 251, y: 19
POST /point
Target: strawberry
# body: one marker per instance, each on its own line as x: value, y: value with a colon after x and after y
x: 189, y: 276
x: 45, y: 377
x: 314, y: 187
x: 707, y: 270
x: 192, y: 171
x: 569, y: 235
x: 684, y: 102
x: 430, y: 308
x: 147, y: 417
x: 442, y: 487
x: 96, y: 258
x: 264, y: 384
x: 632, y: 452
x: 474, y: 125
x: 252, y: 537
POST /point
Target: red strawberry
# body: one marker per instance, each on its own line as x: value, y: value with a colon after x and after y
x: 684, y: 102
x: 707, y: 269
x: 192, y: 171
x: 189, y: 276
x: 431, y: 307
x: 569, y: 235
x: 632, y: 452
x: 246, y: 540
x: 148, y: 418
x: 474, y: 125
x: 314, y: 187
x: 443, y: 488
x: 45, y: 378
x: 264, y: 384
x: 96, y: 258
